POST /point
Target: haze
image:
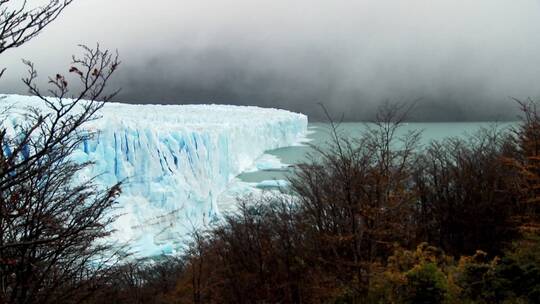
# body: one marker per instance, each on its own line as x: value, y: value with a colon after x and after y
x: 462, y: 58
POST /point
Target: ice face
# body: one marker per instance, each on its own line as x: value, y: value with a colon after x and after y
x: 175, y: 161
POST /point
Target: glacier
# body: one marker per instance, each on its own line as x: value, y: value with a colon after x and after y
x: 175, y: 161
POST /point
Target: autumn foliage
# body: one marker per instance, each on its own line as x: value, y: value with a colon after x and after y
x: 381, y: 219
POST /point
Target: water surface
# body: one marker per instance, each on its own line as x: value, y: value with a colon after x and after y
x: 319, y: 134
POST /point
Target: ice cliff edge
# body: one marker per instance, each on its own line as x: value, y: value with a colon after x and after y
x: 175, y: 160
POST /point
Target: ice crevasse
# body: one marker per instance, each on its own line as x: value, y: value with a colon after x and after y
x: 175, y: 161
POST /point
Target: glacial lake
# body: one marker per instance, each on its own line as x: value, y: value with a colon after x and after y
x: 319, y: 134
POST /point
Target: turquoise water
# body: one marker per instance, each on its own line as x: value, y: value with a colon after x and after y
x: 319, y: 134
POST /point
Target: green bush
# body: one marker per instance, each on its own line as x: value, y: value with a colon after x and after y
x: 426, y: 283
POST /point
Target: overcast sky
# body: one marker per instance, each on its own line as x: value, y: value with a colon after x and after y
x: 463, y: 58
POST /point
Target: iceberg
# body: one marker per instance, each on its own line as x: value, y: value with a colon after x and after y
x: 278, y: 183
x: 175, y: 161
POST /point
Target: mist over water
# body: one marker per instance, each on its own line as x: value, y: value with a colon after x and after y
x: 463, y: 59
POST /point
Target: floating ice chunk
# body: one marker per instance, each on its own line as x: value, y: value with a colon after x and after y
x: 267, y: 162
x: 276, y: 183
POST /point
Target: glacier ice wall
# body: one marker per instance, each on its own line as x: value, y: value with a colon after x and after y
x: 175, y: 161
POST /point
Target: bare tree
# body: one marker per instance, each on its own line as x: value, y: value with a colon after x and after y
x: 356, y: 198
x: 466, y: 195
x: 524, y: 158
x: 51, y: 221
x: 142, y: 282
x: 20, y: 22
